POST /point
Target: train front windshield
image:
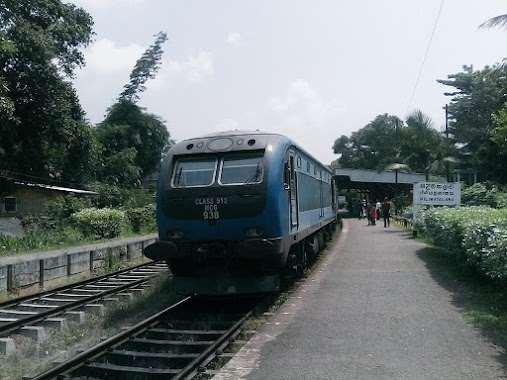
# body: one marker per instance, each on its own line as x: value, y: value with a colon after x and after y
x: 228, y: 170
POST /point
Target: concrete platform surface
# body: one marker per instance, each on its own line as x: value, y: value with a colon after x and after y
x: 370, y: 311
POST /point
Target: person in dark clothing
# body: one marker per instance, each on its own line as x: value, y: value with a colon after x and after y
x: 386, y: 208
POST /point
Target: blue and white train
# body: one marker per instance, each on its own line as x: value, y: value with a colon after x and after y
x: 238, y: 211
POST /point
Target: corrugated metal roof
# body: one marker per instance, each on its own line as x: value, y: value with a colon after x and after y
x: 57, y: 188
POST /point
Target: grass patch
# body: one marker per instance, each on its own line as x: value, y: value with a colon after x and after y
x: 481, y: 300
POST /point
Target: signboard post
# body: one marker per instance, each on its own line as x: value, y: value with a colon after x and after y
x: 435, y: 194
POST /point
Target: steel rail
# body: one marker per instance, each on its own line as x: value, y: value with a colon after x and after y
x: 73, y: 285
x: 193, y: 366
x: 105, y: 346
x: 10, y: 327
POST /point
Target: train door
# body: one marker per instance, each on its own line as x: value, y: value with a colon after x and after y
x: 334, y: 196
x: 293, y: 192
x: 321, y: 195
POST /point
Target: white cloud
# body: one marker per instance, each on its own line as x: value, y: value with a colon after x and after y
x: 227, y: 124
x: 304, y: 115
x: 194, y: 69
x: 106, y: 4
x: 199, y: 66
x: 234, y: 39
x: 107, y: 70
x: 302, y: 106
x: 105, y: 57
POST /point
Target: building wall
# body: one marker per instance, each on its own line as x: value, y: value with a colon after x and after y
x: 28, y: 201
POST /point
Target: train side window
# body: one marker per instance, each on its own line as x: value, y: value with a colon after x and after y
x: 194, y: 172
x: 308, y: 166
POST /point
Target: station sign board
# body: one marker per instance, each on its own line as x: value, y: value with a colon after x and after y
x: 437, y: 194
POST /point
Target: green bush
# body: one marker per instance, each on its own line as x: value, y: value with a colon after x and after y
x: 485, y: 194
x: 142, y: 219
x: 99, y: 223
x: 111, y: 196
x: 476, y: 236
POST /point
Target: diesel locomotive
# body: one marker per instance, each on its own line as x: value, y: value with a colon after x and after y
x: 239, y: 211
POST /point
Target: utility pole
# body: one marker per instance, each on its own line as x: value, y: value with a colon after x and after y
x: 447, y: 139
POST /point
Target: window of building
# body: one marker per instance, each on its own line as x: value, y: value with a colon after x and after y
x: 10, y: 204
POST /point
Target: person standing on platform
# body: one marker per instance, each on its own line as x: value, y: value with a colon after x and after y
x: 386, y: 209
x: 378, y: 206
x: 372, y: 214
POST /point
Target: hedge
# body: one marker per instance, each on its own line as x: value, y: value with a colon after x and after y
x: 476, y: 236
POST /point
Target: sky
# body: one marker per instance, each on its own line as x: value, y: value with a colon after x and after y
x: 311, y: 70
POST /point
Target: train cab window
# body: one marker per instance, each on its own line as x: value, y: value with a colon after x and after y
x: 241, y: 170
x: 194, y: 172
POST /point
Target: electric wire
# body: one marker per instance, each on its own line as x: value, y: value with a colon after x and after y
x: 425, y: 55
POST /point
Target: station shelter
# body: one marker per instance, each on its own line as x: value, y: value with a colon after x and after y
x: 373, y: 185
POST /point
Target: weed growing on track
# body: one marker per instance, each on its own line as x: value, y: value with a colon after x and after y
x: 31, y: 358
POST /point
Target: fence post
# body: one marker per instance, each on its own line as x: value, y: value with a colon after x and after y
x: 91, y: 260
x: 69, y: 263
x: 10, y: 280
x: 41, y: 273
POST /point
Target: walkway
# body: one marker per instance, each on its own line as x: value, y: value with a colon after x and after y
x: 371, y: 311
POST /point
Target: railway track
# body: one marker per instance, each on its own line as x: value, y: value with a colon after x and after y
x: 180, y: 342
x: 50, y: 307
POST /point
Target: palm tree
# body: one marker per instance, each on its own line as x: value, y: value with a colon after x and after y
x: 397, y: 167
x: 423, y: 148
x: 496, y: 22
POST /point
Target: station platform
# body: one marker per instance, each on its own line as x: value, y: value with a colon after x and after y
x: 371, y: 310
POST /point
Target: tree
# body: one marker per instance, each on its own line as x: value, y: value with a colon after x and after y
x: 6, y: 103
x: 499, y: 132
x: 478, y: 96
x: 146, y: 67
x: 42, y: 127
x: 497, y: 22
x: 422, y: 146
x: 130, y: 133
x: 387, y: 141
x: 127, y: 126
x: 372, y: 146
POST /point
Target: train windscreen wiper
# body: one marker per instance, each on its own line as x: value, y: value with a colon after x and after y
x: 255, y: 176
x: 179, y: 179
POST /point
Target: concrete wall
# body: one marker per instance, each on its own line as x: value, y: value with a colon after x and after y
x: 37, y: 268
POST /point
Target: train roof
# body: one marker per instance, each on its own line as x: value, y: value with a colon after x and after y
x: 234, y: 140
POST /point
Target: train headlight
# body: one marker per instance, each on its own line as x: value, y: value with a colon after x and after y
x: 253, y: 232
x: 175, y: 234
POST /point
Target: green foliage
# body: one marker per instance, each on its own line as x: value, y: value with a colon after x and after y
x: 485, y: 194
x: 477, y: 95
x: 499, y: 132
x: 372, y: 146
x: 43, y: 131
x: 387, y: 140
x: 41, y: 240
x: 142, y: 218
x: 475, y: 236
x: 132, y: 142
x: 111, y: 196
x: 99, y: 223
x: 146, y: 68
x: 60, y: 209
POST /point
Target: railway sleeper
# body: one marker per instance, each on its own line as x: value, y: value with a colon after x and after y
x: 113, y: 372
x: 168, y: 346
x: 150, y: 359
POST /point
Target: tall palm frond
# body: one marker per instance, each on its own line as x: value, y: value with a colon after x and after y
x: 495, y: 22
